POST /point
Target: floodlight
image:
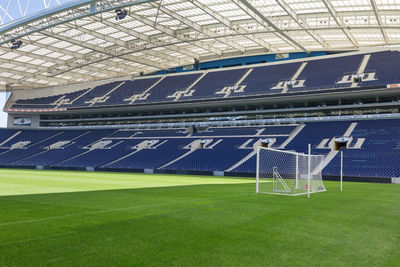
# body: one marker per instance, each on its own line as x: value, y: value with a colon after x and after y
x: 16, y: 44
x: 121, y: 14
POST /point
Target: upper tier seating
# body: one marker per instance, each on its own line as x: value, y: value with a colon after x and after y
x: 325, y: 73
x: 41, y: 100
x: 70, y: 98
x: 170, y: 85
x: 129, y: 89
x: 215, y: 81
x: 380, y: 69
x: 385, y: 64
x: 98, y: 91
x: 50, y: 101
x: 262, y: 79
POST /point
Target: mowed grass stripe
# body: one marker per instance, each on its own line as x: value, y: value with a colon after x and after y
x: 203, y: 225
x: 171, y: 203
x: 15, y: 182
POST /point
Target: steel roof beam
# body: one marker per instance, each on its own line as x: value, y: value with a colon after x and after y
x: 103, y: 54
x: 52, y: 48
x: 301, y: 23
x: 61, y: 14
x: 23, y: 84
x: 126, y: 45
x: 260, y: 18
x: 41, y: 69
x: 176, y: 35
x: 339, y: 22
x: 52, y: 60
x: 35, y: 56
x: 379, y: 20
x: 320, y: 16
x: 229, y: 24
x: 202, y: 30
x: 148, y: 39
x: 119, y: 43
x: 37, y: 76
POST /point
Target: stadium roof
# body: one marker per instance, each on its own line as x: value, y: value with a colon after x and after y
x: 87, y: 40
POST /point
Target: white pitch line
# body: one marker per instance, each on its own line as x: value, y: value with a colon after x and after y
x: 110, y: 210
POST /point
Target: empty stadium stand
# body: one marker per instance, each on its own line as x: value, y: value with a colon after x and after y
x: 372, y: 152
x: 346, y: 71
x: 111, y: 121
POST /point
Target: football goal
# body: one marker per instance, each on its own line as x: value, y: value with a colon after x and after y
x: 288, y: 173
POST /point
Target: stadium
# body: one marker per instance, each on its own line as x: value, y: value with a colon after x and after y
x: 200, y: 133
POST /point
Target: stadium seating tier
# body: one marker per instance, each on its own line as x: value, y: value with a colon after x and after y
x: 250, y: 81
x: 374, y: 149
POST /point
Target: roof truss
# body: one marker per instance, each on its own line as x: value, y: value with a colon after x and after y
x: 83, y: 41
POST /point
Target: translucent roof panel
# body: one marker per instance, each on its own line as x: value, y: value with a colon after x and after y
x: 76, y: 44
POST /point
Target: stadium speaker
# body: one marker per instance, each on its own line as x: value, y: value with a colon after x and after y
x: 203, y: 143
x: 341, y: 142
x: 266, y: 141
x: 357, y: 78
x: 120, y: 14
x: 290, y: 84
x: 15, y: 44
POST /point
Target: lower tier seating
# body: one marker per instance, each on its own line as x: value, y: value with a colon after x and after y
x: 373, y: 149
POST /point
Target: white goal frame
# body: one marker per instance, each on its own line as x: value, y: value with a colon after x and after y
x: 277, y: 179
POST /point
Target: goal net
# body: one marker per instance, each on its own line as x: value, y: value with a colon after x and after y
x: 288, y: 173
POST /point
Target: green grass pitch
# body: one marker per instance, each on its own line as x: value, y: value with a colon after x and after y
x: 66, y: 218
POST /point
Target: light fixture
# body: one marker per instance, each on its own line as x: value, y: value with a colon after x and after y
x: 16, y: 44
x: 121, y: 14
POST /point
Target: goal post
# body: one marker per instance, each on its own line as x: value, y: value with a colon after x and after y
x: 288, y: 173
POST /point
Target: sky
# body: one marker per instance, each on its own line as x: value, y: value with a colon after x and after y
x: 14, y: 9
x: 3, y: 115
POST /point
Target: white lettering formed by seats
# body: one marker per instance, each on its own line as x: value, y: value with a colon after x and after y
x: 99, y: 145
x: 103, y: 98
x: 244, y: 145
x: 293, y: 82
x: 100, y: 99
x: 350, y: 78
x: 359, y: 143
x: 61, y: 100
x: 137, y: 97
x: 228, y: 90
x: 59, y: 145
x: 188, y: 91
x: 20, y: 145
x: 178, y: 94
x: 284, y: 85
